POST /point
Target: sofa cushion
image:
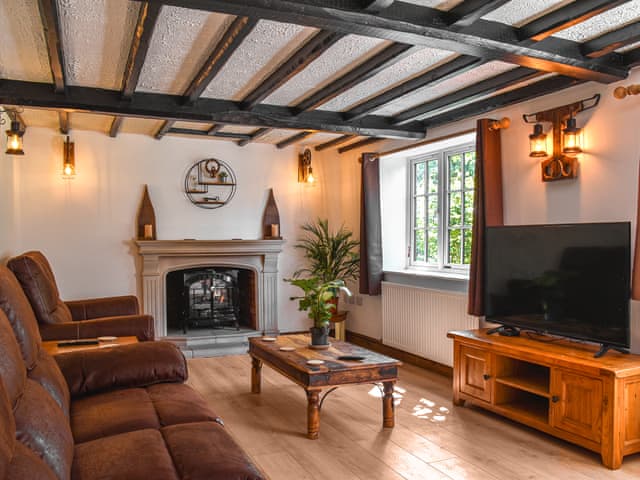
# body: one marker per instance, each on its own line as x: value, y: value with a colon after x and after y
x: 36, y: 277
x: 16, y: 306
x: 47, y: 373
x: 12, y: 371
x: 139, y: 455
x: 7, y: 432
x: 179, y: 403
x: 204, y: 450
x: 111, y: 413
x: 26, y: 465
x: 42, y: 426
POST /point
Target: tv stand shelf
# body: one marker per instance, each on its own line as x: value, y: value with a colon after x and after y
x: 556, y: 386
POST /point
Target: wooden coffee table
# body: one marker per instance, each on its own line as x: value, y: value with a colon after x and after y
x: 332, y: 373
x: 52, y: 348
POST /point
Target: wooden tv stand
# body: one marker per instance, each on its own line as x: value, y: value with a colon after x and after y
x: 555, y: 386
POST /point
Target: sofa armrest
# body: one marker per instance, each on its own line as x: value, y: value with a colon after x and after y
x: 140, y: 326
x: 103, y: 307
x: 126, y: 366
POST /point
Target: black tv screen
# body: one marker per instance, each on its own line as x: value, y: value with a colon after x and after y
x: 571, y: 280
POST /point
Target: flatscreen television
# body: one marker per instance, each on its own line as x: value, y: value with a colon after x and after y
x: 571, y: 280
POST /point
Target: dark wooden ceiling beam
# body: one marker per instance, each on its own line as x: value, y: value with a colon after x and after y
x: 469, y: 11
x: 51, y: 26
x: 632, y: 58
x: 63, y: 120
x: 206, y: 110
x: 293, y: 139
x: 417, y: 25
x: 432, y: 77
x: 164, y: 129
x: 297, y: 62
x: 367, y: 69
x: 230, y: 41
x: 534, y: 90
x: 205, y: 133
x: 215, y: 129
x: 147, y: 19
x: 466, y: 95
x: 334, y: 143
x: 115, y: 126
x: 359, y: 144
x: 611, y: 41
x: 565, y: 17
x: 256, y: 134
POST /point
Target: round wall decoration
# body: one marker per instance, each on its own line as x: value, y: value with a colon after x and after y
x: 210, y: 183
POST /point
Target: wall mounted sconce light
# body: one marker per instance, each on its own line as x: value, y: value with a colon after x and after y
x: 305, y: 172
x: 563, y: 163
x: 15, y: 133
x: 68, y: 160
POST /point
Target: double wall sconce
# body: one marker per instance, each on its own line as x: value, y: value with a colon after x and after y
x: 68, y: 160
x: 305, y: 172
x: 15, y: 133
x: 563, y: 163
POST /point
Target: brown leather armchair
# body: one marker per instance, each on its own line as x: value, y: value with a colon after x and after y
x: 116, y: 413
x: 118, y: 316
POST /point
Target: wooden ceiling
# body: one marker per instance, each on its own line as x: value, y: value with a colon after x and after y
x: 385, y: 93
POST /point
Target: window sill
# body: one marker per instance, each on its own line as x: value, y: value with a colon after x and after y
x: 435, y: 279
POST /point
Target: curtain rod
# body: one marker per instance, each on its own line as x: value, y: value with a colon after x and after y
x: 425, y: 142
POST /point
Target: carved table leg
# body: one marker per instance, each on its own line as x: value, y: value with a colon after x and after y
x: 388, y: 407
x: 313, y: 414
x: 256, y: 374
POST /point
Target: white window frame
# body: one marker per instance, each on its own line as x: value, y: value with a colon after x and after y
x: 443, y: 208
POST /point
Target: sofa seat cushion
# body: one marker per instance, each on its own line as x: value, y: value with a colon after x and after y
x: 139, y: 455
x: 178, y: 403
x: 204, y: 450
x: 112, y: 413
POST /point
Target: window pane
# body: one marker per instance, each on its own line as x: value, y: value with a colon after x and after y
x: 420, y: 207
x: 467, y: 247
x: 469, y: 169
x: 468, y: 207
x: 455, y: 172
x: 433, y: 211
x: 419, y: 178
x: 419, y: 253
x: 455, y: 247
x: 455, y: 209
x: 433, y: 176
x: 432, y: 253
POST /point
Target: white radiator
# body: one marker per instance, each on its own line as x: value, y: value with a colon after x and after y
x: 417, y: 320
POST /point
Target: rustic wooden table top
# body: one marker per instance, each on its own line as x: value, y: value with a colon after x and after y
x: 52, y: 348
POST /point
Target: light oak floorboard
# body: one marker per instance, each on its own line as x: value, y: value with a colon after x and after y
x: 432, y: 439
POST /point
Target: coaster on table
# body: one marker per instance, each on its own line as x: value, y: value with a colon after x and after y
x: 268, y: 339
x: 287, y: 349
x: 315, y: 362
x: 107, y: 339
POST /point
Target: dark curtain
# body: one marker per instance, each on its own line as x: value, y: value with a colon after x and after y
x: 370, y: 227
x: 635, y: 275
x: 487, y: 208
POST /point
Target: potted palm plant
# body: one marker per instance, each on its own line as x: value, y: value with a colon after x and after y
x: 317, y: 300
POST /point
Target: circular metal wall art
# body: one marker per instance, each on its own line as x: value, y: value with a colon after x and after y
x: 210, y: 183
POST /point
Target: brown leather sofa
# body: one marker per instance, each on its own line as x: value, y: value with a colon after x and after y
x: 58, y: 320
x: 121, y: 413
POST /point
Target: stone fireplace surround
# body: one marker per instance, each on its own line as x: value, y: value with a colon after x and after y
x: 159, y: 257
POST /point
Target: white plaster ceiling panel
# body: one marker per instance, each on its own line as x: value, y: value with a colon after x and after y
x: 23, y: 51
x: 238, y: 129
x: 96, y: 35
x: 277, y: 135
x: 90, y: 121
x: 341, y: 57
x: 144, y: 126
x: 439, y: 4
x: 318, y: 138
x: 266, y: 47
x: 410, y: 66
x: 629, y: 47
x: 34, y: 117
x: 181, y: 43
x: 454, y: 84
x: 605, y: 22
x: 203, y: 127
x: 521, y: 12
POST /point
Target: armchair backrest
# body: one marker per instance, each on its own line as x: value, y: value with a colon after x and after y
x: 34, y: 273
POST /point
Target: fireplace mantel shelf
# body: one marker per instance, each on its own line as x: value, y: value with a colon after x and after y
x: 209, y: 247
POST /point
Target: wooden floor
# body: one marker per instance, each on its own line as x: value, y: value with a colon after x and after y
x: 431, y: 440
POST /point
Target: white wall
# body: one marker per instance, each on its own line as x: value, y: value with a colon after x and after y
x: 85, y: 226
x: 606, y: 189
